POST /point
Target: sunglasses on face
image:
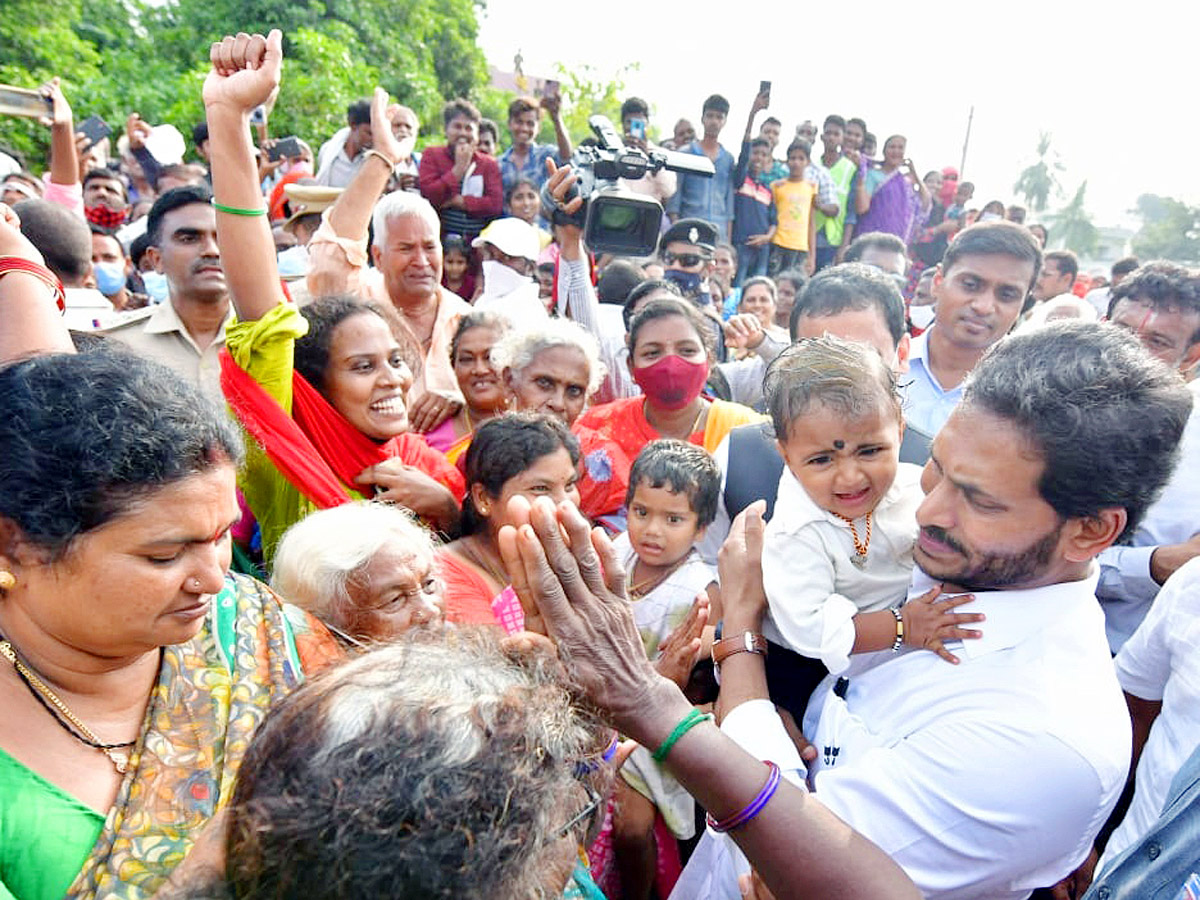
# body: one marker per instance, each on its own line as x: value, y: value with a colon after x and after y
x: 687, y: 260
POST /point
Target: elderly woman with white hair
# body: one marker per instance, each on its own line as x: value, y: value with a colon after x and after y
x: 366, y: 570
x: 407, y: 254
x: 554, y: 369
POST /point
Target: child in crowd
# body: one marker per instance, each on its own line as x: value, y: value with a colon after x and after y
x: 672, y: 498
x: 837, y: 554
x: 795, y: 236
x: 522, y: 201
x: 754, y: 215
x: 456, y: 267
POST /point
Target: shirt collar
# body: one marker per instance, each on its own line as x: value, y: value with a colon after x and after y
x: 919, y: 347
x: 1014, y: 616
x: 165, y: 320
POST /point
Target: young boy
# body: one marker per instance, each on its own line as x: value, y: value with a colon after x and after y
x: 672, y: 498
x: 754, y: 217
x: 795, y: 202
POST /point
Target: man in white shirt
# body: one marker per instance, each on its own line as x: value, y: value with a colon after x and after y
x: 1060, y: 268
x: 340, y: 157
x: 1099, y: 298
x: 980, y: 287
x: 509, y: 250
x: 1160, y: 303
x: 991, y: 778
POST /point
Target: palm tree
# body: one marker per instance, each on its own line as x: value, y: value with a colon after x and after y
x: 1037, y: 182
x: 1072, y: 225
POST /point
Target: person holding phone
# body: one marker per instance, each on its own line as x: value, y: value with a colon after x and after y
x: 635, y: 123
x: 526, y: 156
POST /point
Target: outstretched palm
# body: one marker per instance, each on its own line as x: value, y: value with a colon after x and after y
x: 245, y: 70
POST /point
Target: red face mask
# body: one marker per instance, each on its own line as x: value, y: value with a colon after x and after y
x: 672, y: 382
x: 104, y: 217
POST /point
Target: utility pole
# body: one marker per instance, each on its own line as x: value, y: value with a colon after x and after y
x: 962, y: 169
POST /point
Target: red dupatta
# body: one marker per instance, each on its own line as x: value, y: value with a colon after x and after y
x: 315, y: 448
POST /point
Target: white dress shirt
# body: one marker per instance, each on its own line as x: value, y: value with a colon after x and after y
x: 1161, y: 662
x: 814, y: 590
x: 982, y: 780
x: 926, y: 403
x: 1126, y: 589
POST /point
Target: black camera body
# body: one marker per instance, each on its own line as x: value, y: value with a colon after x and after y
x: 615, y: 220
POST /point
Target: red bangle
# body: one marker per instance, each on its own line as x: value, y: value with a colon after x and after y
x: 19, y: 264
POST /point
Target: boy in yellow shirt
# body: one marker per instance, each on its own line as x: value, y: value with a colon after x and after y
x: 795, y: 199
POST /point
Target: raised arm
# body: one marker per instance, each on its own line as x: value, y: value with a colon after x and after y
x: 32, y: 320
x: 245, y: 71
x: 553, y: 105
x: 64, y: 155
x: 350, y: 216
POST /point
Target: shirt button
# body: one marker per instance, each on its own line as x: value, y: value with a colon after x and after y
x: 1153, y: 849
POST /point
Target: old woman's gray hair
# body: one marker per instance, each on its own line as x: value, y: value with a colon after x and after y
x: 519, y: 348
x: 319, y: 555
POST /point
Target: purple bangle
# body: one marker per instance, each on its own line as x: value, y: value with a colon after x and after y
x: 612, y: 748
x: 753, y: 809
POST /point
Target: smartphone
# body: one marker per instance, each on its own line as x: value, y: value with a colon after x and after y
x: 551, y: 88
x: 95, y: 129
x: 285, y: 148
x: 764, y: 87
x: 259, y: 115
x: 15, y: 101
x: 637, y: 129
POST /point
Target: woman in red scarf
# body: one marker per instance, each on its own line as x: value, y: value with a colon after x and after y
x: 321, y: 394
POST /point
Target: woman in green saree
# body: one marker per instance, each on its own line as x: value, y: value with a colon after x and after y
x: 133, y: 667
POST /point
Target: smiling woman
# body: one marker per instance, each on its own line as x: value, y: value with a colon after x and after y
x: 323, y: 395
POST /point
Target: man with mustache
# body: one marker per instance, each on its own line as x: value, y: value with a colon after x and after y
x: 979, y: 288
x: 188, y: 330
x: 991, y: 777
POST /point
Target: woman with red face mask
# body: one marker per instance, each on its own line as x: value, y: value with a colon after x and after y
x: 669, y: 355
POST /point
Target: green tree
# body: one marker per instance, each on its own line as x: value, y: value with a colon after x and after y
x: 1039, y: 181
x: 586, y: 93
x: 1072, y: 225
x: 1170, y: 229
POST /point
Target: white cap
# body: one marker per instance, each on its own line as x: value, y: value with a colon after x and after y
x: 514, y: 237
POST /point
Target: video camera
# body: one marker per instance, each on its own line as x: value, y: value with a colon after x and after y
x: 615, y: 220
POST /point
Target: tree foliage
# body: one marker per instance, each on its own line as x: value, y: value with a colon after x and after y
x: 122, y: 56
x: 1039, y: 181
x: 1072, y: 225
x: 1170, y: 229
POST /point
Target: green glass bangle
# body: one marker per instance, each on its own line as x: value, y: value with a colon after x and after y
x: 686, y: 724
x: 234, y: 211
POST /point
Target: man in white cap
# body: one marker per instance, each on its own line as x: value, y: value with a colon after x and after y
x: 509, y: 249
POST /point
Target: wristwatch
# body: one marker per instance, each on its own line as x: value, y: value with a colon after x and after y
x: 746, y: 642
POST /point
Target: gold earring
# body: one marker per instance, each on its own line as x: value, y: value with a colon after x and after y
x: 7, y: 580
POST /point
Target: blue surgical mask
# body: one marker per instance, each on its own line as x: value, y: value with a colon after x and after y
x: 110, y: 277
x: 156, y: 285
x: 688, y: 282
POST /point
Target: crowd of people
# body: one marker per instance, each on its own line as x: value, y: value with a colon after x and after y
x: 363, y: 533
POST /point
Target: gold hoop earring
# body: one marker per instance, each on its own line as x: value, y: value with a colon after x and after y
x: 8, y: 580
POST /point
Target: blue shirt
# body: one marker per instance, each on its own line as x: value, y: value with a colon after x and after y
x: 1158, y: 867
x: 706, y: 198
x: 926, y: 403
x: 534, y: 168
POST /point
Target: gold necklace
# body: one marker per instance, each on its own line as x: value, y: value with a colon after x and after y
x: 477, y: 558
x: 638, y: 591
x: 57, y: 708
x: 860, y: 548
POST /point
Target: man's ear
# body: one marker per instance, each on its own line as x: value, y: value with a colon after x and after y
x: 1085, y: 537
x: 1190, y: 359
x: 376, y: 254
x: 154, y: 257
